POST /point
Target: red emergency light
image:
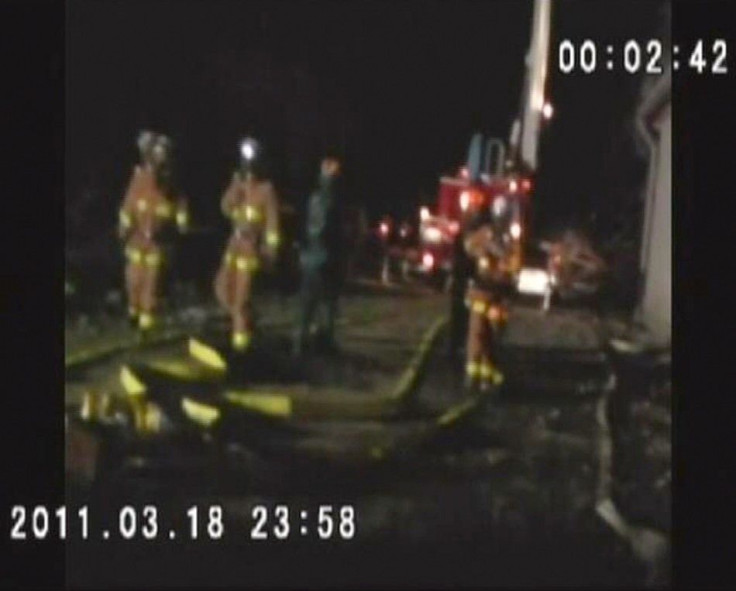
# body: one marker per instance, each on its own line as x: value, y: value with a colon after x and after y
x: 470, y: 198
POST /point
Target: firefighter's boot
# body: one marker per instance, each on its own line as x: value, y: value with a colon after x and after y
x: 490, y: 376
x: 240, y: 340
x: 146, y: 324
x: 472, y: 377
x: 241, y: 335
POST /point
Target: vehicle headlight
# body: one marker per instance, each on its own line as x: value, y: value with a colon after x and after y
x: 432, y: 235
x: 464, y: 200
x: 533, y: 281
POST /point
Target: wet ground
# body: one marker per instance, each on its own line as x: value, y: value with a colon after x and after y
x: 509, y: 495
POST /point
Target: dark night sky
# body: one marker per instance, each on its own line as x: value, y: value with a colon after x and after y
x: 406, y: 83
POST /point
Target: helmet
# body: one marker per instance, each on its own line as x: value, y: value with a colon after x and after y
x: 252, y: 157
x: 161, y: 148
x: 145, y: 142
x: 165, y: 142
x: 249, y: 149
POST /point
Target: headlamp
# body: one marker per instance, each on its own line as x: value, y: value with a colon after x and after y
x: 248, y: 149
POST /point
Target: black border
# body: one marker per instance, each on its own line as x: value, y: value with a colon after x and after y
x: 703, y: 316
x: 32, y: 116
x: 31, y: 304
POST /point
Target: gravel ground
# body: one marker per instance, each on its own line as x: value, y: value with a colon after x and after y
x: 508, y: 497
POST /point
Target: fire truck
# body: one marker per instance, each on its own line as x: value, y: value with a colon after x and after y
x: 433, y: 253
x: 419, y: 247
x: 438, y: 229
x: 509, y: 176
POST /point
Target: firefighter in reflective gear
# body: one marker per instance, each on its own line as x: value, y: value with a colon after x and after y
x: 250, y: 202
x: 463, y: 269
x: 488, y: 243
x: 322, y: 259
x: 149, y: 205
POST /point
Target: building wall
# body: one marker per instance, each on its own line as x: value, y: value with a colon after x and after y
x: 656, y: 304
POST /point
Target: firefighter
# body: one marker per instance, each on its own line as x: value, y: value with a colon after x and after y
x: 472, y: 201
x: 169, y: 184
x: 462, y: 272
x: 487, y: 241
x: 149, y: 205
x: 251, y: 203
x: 322, y: 258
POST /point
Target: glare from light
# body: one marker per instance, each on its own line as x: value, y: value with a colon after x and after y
x: 533, y: 281
x: 424, y: 213
x: 513, y: 186
x: 248, y: 150
x: 499, y: 206
x: 464, y: 172
x: 538, y: 100
x: 454, y: 227
x: 383, y: 228
x: 428, y: 260
x: 526, y: 184
x: 433, y: 235
x: 547, y: 111
x: 464, y: 200
x: 516, y: 230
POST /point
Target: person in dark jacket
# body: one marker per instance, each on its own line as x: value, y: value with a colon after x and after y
x: 463, y: 268
x: 322, y: 259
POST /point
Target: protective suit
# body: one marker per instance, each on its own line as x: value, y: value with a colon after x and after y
x: 487, y: 243
x: 321, y: 263
x: 251, y: 203
x: 463, y: 267
x: 149, y: 205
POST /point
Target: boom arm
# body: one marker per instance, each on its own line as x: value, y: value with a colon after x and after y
x: 525, y: 132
